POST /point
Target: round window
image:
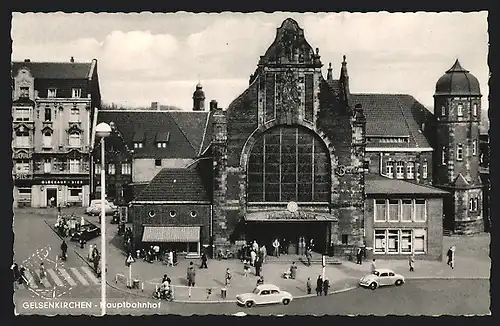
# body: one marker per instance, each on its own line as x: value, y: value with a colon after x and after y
x: 172, y: 213
x: 151, y: 213
x: 193, y: 213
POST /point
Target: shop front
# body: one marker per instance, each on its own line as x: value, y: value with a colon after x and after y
x: 60, y: 192
x: 294, y: 231
x: 184, y: 240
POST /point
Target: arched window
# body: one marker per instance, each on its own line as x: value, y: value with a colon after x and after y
x: 74, y: 139
x: 289, y: 164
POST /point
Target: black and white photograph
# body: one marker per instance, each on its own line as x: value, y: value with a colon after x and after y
x: 272, y: 164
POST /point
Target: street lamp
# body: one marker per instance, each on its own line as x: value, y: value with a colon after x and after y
x: 103, y: 130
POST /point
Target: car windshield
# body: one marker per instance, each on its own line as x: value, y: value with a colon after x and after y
x: 376, y: 273
x: 256, y: 291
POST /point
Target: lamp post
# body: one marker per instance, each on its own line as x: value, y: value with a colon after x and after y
x: 103, y: 130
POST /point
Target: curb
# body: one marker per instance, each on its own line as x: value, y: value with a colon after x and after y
x: 422, y: 278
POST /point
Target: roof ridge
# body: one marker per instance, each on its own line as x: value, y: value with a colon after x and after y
x: 204, y: 134
x: 406, y: 122
x: 182, y: 131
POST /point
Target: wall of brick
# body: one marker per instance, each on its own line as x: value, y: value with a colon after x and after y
x: 139, y: 215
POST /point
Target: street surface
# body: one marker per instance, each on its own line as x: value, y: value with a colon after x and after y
x: 436, y: 297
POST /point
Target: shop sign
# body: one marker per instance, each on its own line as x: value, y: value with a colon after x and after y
x: 342, y: 170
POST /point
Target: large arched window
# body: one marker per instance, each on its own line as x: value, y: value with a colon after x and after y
x: 289, y: 164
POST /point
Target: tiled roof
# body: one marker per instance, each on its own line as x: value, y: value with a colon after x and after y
x: 392, y: 115
x: 54, y: 70
x: 379, y: 185
x: 334, y: 85
x: 185, y: 131
x: 175, y: 185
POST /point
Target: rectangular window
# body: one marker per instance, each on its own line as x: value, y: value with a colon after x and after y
x: 24, y: 92
x: 126, y: 168
x: 380, y: 210
x: 47, y: 139
x: 52, y: 92
x: 460, y: 110
x: 24, y: 195
x: 410, y: 170
x: 23, y: 167
x: 400, y: 170
x: 419, y: 240
x: 474, y: 147
x: 406, y: 241
x: 47, y: 166
x: 380, y: 241
x: 97, y: 168
x: 137, y: 145
x: 345, y: 238
x: 111, y: 169
x: 74, y: 115
x: 474, y: 109
x: 48, y: 114
x: 407, y: 210
x: 23, y: 139
x: 420, y: 210
x: 74, y: 139
x: 157, y: 162
x: 443, y: 155
x: 393, y: 210
x: 74, y: 166
x: 443, y: 111
x: 161, y: 144
x: 460, y: 152
x: 393, y: 241
x: 424, y: 170
x: 76, y: 93
x: 389, y: 169
x: 22, y: 114
x: 75, y: 192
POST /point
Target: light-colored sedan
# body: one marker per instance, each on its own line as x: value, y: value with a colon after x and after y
x: 381, y: 277
x: 95, y: 208
x: 264, y: 294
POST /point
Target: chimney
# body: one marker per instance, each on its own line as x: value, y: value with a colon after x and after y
x: 154, y: 105
x: 213, y: 105
x: 72, y: 60
x: 27, y: 60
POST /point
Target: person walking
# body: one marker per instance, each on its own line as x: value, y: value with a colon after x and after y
x: 263, y: 250
x: 64, y: 249
x: 309, y: 256
x: 89, y: 254
x: 452, y: 257
x: 228, y: 278
x: 319, y: 286
x: 204, y: 259
x: 411, y: 262
x: 246, y: 267
x: 374, y: 265
x: 276, y: 246
x: 191, y: 275
x: 253, y: 256
x: 326, y: 286
x: 308, y: 285
x: 171, y: 258
x: 359, y: 256
x: 258, y: 266
x: 293, y: 271
x: 255, y: 246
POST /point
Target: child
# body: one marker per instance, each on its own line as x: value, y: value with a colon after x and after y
x: 228, y: 278
x: 246, y: 267
x: 308, y: 285
x: 326, y: 286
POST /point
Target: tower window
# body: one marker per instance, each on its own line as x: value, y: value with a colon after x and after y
x: 474, y: 109
x: 460, y: 152
x: 443, y: 111
x: 474, y: 147
x: 443, y: 155
x: 400, y: 166
x: 424, y: 170
x: 410, y: 170
x: 389, y: 169
x: 460, y: 110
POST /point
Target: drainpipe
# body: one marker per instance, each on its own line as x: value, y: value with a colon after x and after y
x: 211, y: 241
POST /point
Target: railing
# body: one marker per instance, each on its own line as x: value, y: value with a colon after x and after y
x: 61, y: 168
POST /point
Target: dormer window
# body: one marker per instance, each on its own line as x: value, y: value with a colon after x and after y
x: 137, y: 144
x: 76, y: 93
x: 161, y: 145
x: 138, y: 139
x: 460, y: 110
x: 162, y: 139
x: 24, y: 92
x: 52, y: 92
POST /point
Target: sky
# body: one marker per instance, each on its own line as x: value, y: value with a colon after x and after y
x: 158, y: 57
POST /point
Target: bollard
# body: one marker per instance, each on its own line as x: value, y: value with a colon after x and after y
x: 223, y: 293
x: 116, y: 278
x: 142, y: 286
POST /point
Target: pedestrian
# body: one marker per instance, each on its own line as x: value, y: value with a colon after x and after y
x: 308, y: 285
x: 42, y: 271
x: 452, y: 257
x: 359, y: 256
x: 276, y: 246
x: 326, y: 286
x: 374, y: 265
x: 260, y: 280
x: 255, y: 246
x: 156, y: 250
x: 293, y: 271
x: 96, y: 260
x: 309, y: 256
x: 253, y: 256
x: 91, y: 249
x: 82, y: 243
x: 204, y: 259
x: 228, y: 277
x: 191, y: 275
x: 258, y: 266
x: 246, y: 267
x: 412, y: 262
x: 319, y: 285
x: 263, y: 249
x: 59, y: 209
x: 15, y: 274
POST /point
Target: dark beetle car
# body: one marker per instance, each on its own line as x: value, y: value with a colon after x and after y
x: 86, y: 232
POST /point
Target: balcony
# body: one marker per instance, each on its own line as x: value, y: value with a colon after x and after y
x: 62, y: 168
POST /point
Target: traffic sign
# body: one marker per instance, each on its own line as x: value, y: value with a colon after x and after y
x: 130, y: 259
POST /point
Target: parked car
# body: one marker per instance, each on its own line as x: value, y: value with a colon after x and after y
x: 86, y: 232
x: 95, y: 208
x: 381, y: 277
x: 264, y: 294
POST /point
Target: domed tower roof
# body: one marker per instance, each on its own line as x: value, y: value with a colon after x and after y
x: 457, y: 81
x: 199, y: 93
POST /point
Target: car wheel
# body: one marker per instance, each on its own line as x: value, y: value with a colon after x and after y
x: 286, y: 301
x: 249, y: 304
x: 399, y: 282
x: 373, y: 285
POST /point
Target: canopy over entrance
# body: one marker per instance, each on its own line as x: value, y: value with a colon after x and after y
x: 287, y: 216
x: 171, y: 234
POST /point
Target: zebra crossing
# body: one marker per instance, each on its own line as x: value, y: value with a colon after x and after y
x: 62, y: 277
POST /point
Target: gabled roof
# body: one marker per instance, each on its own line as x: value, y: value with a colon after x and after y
x: 56, y: 70
x: 379, y: 185
x: 185, y: 131
x: 460, y: 181
x: 392, y: 115
x: 175, y: 185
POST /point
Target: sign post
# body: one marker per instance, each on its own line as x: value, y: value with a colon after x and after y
x: 323, y: 264
x: 129, y: 262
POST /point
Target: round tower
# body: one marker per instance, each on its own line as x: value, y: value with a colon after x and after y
x: 457, y: 108
x: 199, y: 98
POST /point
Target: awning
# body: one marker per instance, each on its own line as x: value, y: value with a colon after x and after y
x: 171, y: 234
x: 286, y: 216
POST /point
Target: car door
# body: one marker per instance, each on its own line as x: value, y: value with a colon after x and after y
x: 383, y: 279
x: 264, y: 297
x: 276, y: 296
x: 391, y: 279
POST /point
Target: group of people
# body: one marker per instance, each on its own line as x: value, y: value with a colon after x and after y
x: 95, y: 258
x: 67, y: 226
x: 253, y: 256
x: 322, y: 286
